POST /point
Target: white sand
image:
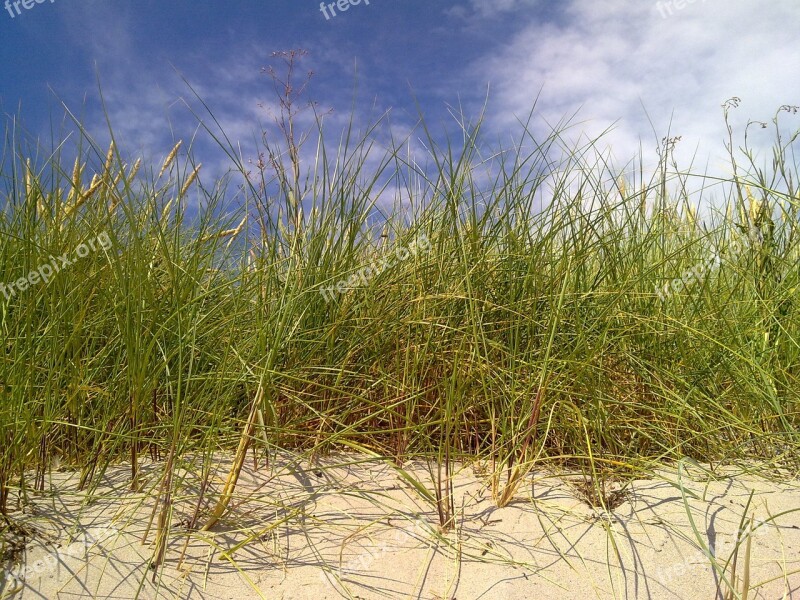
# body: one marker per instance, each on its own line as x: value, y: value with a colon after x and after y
x: 360, y: 531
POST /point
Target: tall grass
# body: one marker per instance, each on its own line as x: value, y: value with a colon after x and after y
x: 533, y: 327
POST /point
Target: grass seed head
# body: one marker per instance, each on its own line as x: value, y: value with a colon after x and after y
x: 132, y: 173
x: 170, y: 157
x: 189, y: 181
x: 76, y: 174
x: 109, y: 158
x: 755, y: 205
x: 28, y: 179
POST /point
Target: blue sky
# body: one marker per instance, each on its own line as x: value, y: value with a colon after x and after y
x: 636, y: 65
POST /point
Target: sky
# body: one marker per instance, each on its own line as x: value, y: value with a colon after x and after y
x: 645, y: 70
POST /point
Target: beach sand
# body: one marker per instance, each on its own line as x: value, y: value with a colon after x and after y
x: 348, y: 527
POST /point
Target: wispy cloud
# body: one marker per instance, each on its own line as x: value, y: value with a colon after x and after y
x: 623, y: 64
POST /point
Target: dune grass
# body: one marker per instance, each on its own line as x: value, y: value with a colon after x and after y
x: 539, y: 309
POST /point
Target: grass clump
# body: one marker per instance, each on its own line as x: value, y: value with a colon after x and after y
x: 539, y: 306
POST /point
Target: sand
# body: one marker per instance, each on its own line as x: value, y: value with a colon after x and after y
x: 352, y: 528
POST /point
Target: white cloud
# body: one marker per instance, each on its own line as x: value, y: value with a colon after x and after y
x: 615, y: 58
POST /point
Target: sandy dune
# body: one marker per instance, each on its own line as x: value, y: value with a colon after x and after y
x: 358, y: 530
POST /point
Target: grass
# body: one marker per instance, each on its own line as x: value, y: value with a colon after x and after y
x: 533, y: 329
